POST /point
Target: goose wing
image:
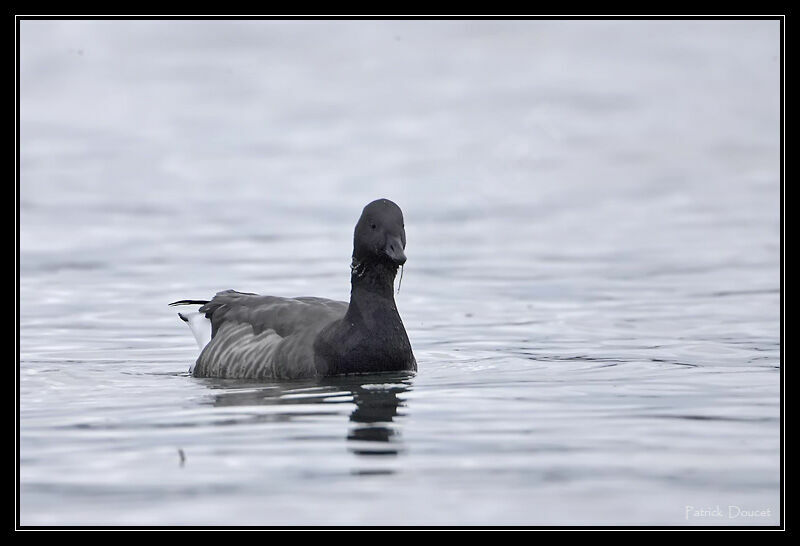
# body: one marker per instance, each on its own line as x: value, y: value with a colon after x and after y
x: 260, y: 337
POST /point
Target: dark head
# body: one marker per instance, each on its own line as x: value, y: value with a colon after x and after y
x: 380, y: 234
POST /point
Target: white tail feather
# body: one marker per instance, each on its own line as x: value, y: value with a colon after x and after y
x: 200, y: 327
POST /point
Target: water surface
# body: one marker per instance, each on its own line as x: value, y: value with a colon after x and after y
x: 592, y: 290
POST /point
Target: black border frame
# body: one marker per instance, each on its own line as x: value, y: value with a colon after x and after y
x: 19, y: 18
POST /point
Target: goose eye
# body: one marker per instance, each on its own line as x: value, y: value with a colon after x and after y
x: 373, y: 226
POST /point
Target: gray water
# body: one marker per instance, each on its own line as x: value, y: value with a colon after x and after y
x: 592, y: 286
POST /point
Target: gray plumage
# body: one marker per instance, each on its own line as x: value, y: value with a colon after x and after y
x: 261, y: 337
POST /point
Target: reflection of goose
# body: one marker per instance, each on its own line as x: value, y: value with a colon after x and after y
x: 375, y: 397
x: 376, y: 407
x: 248, y: 336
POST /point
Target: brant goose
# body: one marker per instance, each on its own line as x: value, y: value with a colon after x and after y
x: 248, y: 336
